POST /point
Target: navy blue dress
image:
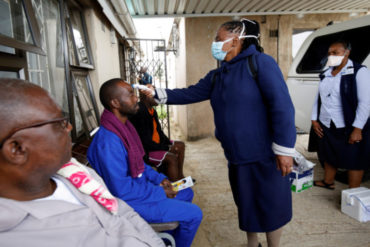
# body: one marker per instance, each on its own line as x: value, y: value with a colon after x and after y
x: 249, y: 117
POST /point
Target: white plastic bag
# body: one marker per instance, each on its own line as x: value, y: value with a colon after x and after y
x: 301, y: 163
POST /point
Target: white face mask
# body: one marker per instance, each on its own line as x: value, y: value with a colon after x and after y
x: 334, y: 61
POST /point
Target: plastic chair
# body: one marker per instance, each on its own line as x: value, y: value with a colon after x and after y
x: 160, y: 229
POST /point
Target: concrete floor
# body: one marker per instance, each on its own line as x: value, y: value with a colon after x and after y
x: 317, y: 219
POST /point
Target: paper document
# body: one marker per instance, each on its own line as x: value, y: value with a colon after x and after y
x: 183, y: 183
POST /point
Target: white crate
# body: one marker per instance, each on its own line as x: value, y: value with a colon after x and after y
x: 356, y: 203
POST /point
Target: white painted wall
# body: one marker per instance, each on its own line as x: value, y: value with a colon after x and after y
x: 104, y: 50
x: 180, y: 112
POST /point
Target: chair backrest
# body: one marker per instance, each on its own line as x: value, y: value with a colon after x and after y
x: 166, y: 226
x: 162, y: 228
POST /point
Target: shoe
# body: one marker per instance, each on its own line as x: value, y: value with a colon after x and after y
x: 325, y: 185
x: 259, y: 245
x: 194, y: 181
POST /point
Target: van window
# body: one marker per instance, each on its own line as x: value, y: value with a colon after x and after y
x: 299, y: 36
x: 315, y: 57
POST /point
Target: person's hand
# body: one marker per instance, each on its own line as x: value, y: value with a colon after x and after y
x: 166, y: 183
x: 150, y: 86
x: 317, y: 128
x: 356, y: 136
x: 284, y: 164
x: 148, y: 93
x: 173, y: 149
x: 168, y: 189
x: 170, y: 193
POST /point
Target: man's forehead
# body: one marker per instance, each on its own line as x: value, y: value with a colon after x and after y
x: 337, y: 46
x: 40, y: 103
x: 125, y: 87
x: 32, y: 108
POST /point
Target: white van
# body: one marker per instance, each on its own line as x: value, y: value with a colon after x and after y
x: 303, y: 77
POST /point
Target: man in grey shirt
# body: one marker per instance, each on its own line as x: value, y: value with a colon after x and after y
x: 38, y: 207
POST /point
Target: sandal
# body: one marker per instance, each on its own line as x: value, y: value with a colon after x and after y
x: 325, y: 185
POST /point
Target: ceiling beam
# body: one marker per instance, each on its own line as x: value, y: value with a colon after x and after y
x: 254, y: 13
x: 201, y: 6
x: 272, y: 5
x: 171, y: 6
x: 211, y: 6
x: 232, y: 4
x: 181, y: 7
x: 150, y: 7
x: 257, y: 7
x: 191, y: 6
x: 161, y: 6
x: 220, y: 6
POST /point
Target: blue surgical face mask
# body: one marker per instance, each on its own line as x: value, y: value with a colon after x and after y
x: 217, y: 51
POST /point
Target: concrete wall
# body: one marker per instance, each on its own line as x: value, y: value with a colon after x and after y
x: 197, y: 121
x: 200, y: 32
x: 104, y: 50
x: 180, y: 112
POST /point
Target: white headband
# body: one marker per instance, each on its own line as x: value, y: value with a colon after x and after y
x: 247, y: 36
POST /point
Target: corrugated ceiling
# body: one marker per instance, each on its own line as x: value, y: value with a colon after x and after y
x: 197, y: 8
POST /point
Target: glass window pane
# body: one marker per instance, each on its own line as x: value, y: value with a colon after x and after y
x: 85, y: 101
x: 13, y: 22
x: 78, y: 120
x: 9, y: 74
x: 38, y: 7
x: 315, y: 57
x: 48, y: 71
x: 7, y: 49
x: 79, y: 37
x: 71, y: 51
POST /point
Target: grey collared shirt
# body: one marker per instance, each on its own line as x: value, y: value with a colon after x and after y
x: 60, y: 223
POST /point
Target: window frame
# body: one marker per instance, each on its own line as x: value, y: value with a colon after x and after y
x: 15, y: 63
x: 91, y: 95
x: 69, y: 7
x: 34, y: 30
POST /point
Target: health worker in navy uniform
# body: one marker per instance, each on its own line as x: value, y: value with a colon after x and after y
x: 340, y: 117
x: 254, y: 119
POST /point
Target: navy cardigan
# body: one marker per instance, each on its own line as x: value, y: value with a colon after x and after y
x: 249, y: 116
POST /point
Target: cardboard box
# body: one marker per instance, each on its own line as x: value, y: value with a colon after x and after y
x: 356, y: 203
x: 301, y: 180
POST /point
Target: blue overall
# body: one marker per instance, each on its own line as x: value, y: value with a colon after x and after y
x: 108, y: 156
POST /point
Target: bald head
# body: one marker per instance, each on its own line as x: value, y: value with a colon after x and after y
x: 16, y: 98
x: 34, y: 138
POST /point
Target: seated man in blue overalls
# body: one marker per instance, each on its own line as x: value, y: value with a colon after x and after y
x: 116, y: 153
